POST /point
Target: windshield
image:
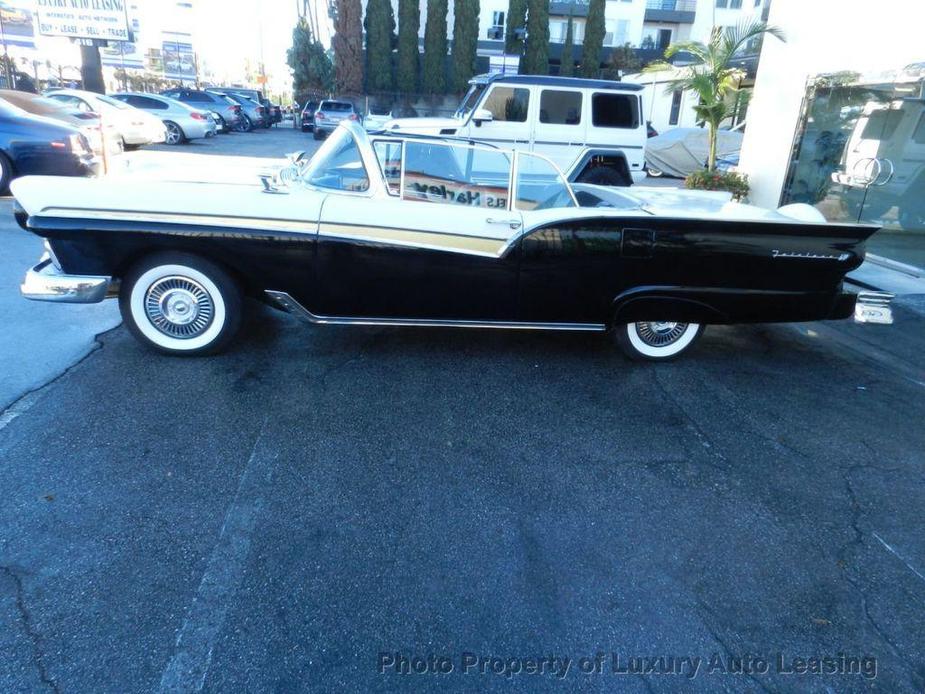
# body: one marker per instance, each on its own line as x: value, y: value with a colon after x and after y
x: 336, y: 106
x: 470, y: 100
x: 338, y: 165
x: 112, y: 102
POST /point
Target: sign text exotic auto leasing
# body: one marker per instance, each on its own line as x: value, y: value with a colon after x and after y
x: 84, y: 19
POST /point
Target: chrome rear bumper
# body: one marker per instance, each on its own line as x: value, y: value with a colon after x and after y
x: 44, y: 282
x: 873, y: 307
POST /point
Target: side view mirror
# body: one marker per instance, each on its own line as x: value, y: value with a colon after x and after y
x: 482, y: 115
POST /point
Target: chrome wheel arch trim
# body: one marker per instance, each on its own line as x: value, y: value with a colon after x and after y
x: 285, y: 301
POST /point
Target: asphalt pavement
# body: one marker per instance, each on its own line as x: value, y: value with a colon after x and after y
x: 360, y: 509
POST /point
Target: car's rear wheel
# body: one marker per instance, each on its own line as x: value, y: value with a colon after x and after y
x: 175, y: 135
x: 181, y: 304
x: 656, y: 340
x: 655, y: 173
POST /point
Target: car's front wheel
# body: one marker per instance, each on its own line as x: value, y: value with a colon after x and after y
x: 656, y: 340
x: 181, y: 304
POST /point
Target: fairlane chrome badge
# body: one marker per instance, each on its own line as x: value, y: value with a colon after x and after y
x: 809, y: 256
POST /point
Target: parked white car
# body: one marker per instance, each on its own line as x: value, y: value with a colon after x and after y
x: 133, y: 126
x: 183, y: 122
x: 591, y: 129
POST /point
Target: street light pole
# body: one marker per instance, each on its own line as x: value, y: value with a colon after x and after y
x: 10, y: 78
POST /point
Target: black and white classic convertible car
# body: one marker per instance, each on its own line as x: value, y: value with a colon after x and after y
x: 379, y: 229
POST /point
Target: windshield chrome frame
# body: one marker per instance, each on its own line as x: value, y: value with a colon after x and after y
x: 568, y: 186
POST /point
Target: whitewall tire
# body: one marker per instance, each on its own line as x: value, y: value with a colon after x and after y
x: 178, y: 303
x: 656, y: 340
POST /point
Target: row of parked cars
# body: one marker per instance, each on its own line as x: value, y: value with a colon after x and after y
x: 321, y: 117
x: 68, y: 131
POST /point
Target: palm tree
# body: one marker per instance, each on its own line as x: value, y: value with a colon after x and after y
x: 713, y: 79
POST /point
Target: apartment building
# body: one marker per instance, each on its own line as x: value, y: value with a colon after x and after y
x: 649, y: 26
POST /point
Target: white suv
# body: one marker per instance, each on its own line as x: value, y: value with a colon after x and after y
x: 592, y: 129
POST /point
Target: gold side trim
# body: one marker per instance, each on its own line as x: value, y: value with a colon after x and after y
x: 457, y: 243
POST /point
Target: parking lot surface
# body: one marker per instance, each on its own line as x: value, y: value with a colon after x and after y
x: 320, y: 502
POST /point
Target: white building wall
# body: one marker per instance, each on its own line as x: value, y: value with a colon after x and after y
x: 822, y: 36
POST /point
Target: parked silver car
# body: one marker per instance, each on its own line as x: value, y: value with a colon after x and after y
x: 182, y: 122
x: 329, y: 115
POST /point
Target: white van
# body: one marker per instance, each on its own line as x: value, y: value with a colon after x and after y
x: 591, y: 129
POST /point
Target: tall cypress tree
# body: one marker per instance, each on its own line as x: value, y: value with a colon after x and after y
x: 348, y: 46
x: 594, y: 40
x: 434, y: 77
x: 516, y: 19
x: 567, y: 63
x: 536, y: 52
x: 409, y: 24
x: 465, y: 41
x: 379, y: 45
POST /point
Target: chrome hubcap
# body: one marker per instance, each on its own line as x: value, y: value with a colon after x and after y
x: 173, y: 135
x: 660, y: 333
x: 179, y: 307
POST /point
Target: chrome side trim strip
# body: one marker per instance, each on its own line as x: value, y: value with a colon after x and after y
x: 287, y: 303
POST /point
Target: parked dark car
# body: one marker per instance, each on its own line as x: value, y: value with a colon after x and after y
x: 253, y: 114
x: 228, y: 111
x: 269, y: 117
x: 86, y: 122
x: 36, y: 145
x: 650, y: 129
x: 308, y: 116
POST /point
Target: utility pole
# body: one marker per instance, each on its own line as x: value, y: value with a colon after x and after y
x: 91, y: 68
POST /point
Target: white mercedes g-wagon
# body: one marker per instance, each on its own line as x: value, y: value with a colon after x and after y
x: 592, y: 129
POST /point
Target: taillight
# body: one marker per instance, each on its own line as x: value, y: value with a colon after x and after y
x: 319, y: 116
x: 260, y: 109
x: 352, y: 116
x: 58, y: 145
x: 197, y: 116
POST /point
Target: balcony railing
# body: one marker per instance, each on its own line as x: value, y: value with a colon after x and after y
x: 672, y: 5
x: 681, y: 11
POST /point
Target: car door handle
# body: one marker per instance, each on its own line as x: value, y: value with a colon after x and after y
x: 513, y: 223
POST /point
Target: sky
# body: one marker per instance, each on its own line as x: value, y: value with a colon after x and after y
x: 227, y: 33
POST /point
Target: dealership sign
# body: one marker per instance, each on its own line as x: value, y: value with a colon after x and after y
x: 105, y: 20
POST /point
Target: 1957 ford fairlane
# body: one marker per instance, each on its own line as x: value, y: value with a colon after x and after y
x: 378, y: 229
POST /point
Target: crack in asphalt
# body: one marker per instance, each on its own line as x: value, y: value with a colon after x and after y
x: 24, y: 402
x: 857, y: 513
x: 714, y: 634
x: 702, y: 437
x: 35, y: 639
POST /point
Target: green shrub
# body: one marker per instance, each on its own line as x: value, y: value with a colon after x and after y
x: 735, y: 183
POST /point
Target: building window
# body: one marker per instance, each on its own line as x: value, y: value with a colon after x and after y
x: 722, y: 4
x: 757, y: 3
x: 735, y: 4
x: 618, y: 33
x: 497, y: 26
x: 675, y: 114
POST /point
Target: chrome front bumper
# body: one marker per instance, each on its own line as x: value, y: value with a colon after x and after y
x: 873, y: 307
x: 44, y: 282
